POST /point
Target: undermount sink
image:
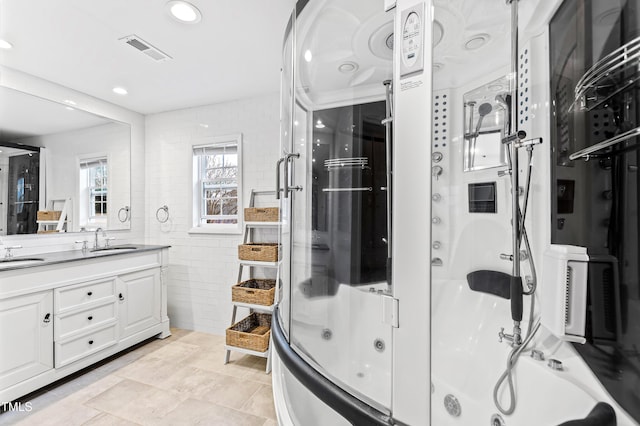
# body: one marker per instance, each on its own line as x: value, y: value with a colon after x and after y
x: 19, y: 261
x: 114, y: 249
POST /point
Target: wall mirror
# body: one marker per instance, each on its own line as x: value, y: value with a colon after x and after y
x: 486, y: 115
x: 61, y: 169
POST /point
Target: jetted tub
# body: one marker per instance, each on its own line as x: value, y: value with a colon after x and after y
x: 351, y: 346
x: 467, y: 360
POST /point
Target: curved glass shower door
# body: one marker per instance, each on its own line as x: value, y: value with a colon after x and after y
x: 337, y: 207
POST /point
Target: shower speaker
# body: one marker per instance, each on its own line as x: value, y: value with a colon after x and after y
x: 563, y: 292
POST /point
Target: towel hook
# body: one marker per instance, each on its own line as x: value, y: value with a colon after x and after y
x: 162, y: 218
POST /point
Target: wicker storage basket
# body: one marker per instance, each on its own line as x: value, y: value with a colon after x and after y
x: 48, y: 215
x: 254, y: 291
x: 261, y: 214
x: 262, y: 252
x: 252, y: 332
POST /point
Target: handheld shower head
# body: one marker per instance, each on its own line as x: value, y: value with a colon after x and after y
x: 483, y: 110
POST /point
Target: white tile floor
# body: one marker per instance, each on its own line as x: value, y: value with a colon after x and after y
x: 180, y: 380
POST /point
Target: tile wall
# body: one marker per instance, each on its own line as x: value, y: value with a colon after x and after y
x: 203, y: 267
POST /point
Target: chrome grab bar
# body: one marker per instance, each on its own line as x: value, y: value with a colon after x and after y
x: 605, y: 144
x: 287, y: 188
x: 336, y: 163
x: 278, y: 177
x: 368, y: 188
x: 387, y: 122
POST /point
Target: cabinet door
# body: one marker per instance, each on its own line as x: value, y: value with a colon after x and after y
x: 26, y: 336
x: 139, y: 298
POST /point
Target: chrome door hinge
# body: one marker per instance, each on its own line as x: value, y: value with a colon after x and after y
x: 390, y: 311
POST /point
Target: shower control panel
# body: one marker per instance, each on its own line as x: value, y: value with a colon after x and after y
x: 412, y: 40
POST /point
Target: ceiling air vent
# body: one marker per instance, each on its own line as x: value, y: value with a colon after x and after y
x: 146, y: 48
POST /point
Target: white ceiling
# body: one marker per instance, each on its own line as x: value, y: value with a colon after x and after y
x: 233, y: 53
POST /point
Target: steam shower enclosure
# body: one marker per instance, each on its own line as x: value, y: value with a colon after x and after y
x: 396, y: 188
x: 336, y: 137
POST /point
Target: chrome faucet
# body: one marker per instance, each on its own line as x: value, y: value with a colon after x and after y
x: 515, y: 339
x: 8, y: 254
x: 95, y: 244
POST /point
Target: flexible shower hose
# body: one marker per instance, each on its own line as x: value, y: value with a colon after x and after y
x: 507, y: 375
x: 512, y: 359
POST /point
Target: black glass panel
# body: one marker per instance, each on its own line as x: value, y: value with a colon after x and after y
x: 595, y: 202
x: 349, y: 204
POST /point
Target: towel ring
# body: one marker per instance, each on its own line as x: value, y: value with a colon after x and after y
x: 124, y: 210
x: 165, y: 217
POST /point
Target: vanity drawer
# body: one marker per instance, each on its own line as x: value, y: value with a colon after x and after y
x: 75, y: 296
x: 87, y: 344
x: 70, y: 324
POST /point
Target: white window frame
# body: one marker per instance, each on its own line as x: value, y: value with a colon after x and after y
x: 89, y: 220
x: 198, y: 227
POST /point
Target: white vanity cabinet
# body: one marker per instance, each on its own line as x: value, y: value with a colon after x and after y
x: 139, y: 299
x: 58, y: 318
x: 86, y: 319
x: 26, y: 337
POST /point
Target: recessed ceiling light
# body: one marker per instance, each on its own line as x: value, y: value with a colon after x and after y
x: 69, y: 101
x: 184, y: 11
x: 476, y: 41
x: 120, y: 90
x: 4, y: 44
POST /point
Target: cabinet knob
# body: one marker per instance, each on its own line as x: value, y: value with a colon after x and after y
x: 91, y: 342
x: 90, y: 318
x: 47, y: 318
x: 120, y: 296
x: 89, y: 293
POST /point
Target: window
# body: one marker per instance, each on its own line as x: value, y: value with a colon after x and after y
x: 217, y: 185
x: 93, y: 191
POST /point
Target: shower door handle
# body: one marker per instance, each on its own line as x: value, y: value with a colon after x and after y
x: 278, y: 190
x: 287, y: 188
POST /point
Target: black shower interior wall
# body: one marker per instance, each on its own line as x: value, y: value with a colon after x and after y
x: 350, y: 227
x: 595, y: 203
